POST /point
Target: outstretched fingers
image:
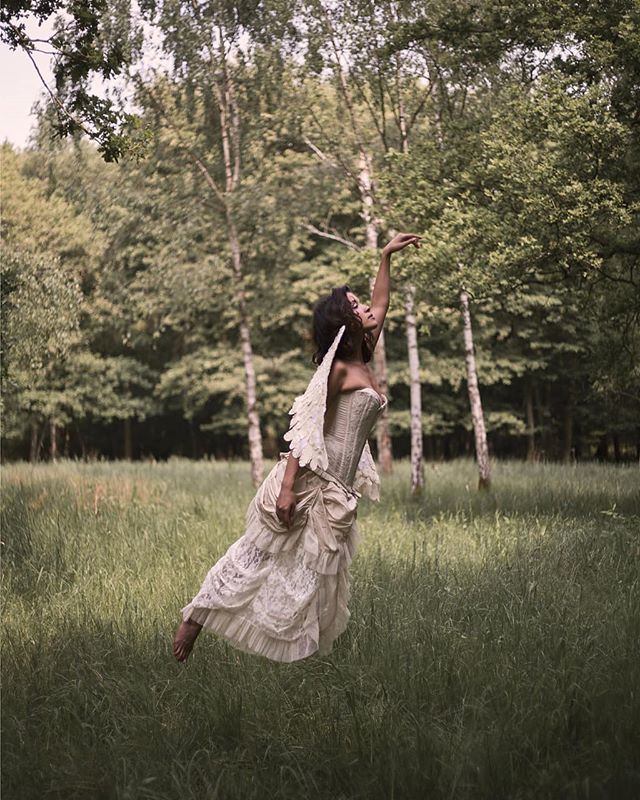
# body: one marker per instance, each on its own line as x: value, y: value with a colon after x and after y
x: 414, y: 239
x: 406, y: 239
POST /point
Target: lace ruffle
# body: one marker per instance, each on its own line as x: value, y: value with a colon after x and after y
x: 367, y: 480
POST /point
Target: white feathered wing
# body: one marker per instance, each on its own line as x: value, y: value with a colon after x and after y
x: 306, y: 435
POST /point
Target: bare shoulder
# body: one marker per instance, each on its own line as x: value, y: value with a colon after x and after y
x: 338, y: 368
x: 337, y: 375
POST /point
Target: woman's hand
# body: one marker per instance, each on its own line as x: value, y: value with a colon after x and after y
x: 401, y: 241
x: 286, y: 505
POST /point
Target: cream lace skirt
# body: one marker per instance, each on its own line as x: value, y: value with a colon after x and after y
x: 283, y: 592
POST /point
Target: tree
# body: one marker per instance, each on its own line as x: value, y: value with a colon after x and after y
x: 525, y: 203
x: 477, y: 415
x: 212, y: 51
x: 58, y: 370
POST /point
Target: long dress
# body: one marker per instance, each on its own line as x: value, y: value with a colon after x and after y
x: 281, y: 592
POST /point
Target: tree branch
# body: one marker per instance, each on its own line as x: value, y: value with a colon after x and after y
x: 333, y: 236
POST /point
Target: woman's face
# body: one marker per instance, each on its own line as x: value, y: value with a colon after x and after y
x: 363, y: 311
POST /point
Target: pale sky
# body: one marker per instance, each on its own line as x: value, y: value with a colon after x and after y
x: 21, y: 86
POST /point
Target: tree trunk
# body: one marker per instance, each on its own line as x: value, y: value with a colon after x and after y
x: 602, y: 453
x: 35, y: 443
x: 83, y: 449
x: 531, y: 435
x: 230, y: 133
x: 271, y: 443
x: 253, y: 418
x: 53, y: 437
x: 417, y: 466
x: 549, y: 440
x: 567, y: 430
x: 415, y: 386
x: 383, y: 435
x: 477, y: 416
x: 617, y: 450
x: 542, y: 422
x: 128, y: 446
x: 193, y: 436
x: 43, y: 433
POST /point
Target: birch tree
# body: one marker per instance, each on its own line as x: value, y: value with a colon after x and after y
x: 417, y: 464
x: 477, y: 414
x: 347, y: 144
x: 403, y: 90
x: 382, y: 102
x: 212, y: 52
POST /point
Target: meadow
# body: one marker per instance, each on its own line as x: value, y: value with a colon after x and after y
x: 493, y: 649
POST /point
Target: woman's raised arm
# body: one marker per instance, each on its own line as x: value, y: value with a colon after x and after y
x: 380, y: 295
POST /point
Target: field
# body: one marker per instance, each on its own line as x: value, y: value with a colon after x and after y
x: 493, y: 649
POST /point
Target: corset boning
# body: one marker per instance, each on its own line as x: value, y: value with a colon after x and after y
x: 348, y: 424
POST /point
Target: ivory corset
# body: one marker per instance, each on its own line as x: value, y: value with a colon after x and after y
x: 347, y: 425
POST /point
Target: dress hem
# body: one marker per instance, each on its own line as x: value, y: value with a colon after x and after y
x: 244, y: 635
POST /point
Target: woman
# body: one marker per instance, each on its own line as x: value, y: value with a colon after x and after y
x: 282, y: 589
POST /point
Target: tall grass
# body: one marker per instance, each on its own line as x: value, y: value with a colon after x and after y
x: 492, y: 652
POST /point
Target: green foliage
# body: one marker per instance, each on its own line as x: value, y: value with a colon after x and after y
x: 531, y: 209
x: 51, y: 309
x: 520, y: 170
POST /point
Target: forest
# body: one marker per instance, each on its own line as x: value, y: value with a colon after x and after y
x: 157, y: 295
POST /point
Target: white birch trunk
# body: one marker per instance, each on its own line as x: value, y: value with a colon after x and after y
x: 415, y: 386
x: 230, y: 133
x: 253, y: 418
x: 365, y: 186
x: 417, y: 464
x: 477, y: 416
x: 383, y: 435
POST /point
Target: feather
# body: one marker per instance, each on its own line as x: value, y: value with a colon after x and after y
x: 306, y: 431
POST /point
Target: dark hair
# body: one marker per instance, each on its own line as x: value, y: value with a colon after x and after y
x: 329, y: 314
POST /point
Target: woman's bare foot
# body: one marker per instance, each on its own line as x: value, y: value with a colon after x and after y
x: 185, y: 636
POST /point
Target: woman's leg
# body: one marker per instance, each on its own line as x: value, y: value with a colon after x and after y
x: 185, y: 636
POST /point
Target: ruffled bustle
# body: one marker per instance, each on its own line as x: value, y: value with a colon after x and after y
x: 281, y: 592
